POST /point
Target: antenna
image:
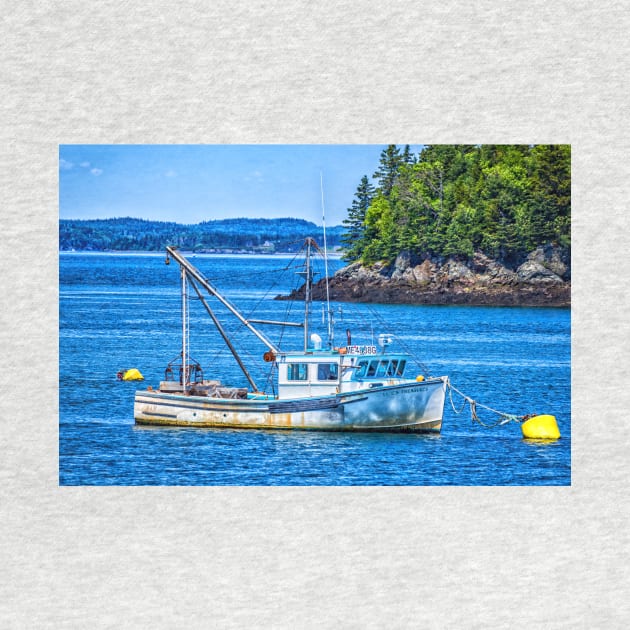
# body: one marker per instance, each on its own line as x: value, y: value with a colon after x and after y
x: 330, y: 331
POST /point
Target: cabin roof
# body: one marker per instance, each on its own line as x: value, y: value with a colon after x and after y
x: 322, y: 355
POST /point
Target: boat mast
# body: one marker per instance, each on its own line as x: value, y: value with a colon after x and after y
x: 328, y: 311
x: 307, y: 291
x: 184, y: 332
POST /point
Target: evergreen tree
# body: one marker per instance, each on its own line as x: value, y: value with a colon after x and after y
x: 353, y: 239
x: 407, y: 156
x: 502, y: 200
x: 389, y: 166
x: 551, y: 179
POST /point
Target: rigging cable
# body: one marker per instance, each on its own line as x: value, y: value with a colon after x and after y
x: 423, y: 367
x: 237, y: 327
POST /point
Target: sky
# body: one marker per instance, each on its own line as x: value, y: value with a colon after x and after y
x: 193, y: 183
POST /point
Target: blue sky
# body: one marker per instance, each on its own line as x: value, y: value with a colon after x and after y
x: 192, y: 183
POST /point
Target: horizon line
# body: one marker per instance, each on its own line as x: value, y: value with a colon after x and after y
x: 199, y: 222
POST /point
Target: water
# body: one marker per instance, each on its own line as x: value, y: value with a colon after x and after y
x: 122, y: 311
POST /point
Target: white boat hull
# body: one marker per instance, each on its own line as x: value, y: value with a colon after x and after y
x: 411, y: 406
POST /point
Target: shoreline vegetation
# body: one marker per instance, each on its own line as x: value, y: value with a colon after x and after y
x: 460, y: 224
x: 242, y: 235
x: 455, y: 224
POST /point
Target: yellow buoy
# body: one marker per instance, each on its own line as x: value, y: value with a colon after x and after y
x: 132, y: 375
x: 542, y: 427
x: 419, y: 378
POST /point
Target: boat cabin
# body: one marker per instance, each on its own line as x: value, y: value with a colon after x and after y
x: 321, y: 373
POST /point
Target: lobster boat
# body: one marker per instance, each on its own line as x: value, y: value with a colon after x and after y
x: 362, y: 387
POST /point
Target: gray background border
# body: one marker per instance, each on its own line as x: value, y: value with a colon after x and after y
x: 301, y: 72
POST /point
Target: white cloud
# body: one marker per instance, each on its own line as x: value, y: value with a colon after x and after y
x: 96, y: 172
x: 84, y: 164
x: 65, y: 165
x: 170, y: 173
x: 254, y: 176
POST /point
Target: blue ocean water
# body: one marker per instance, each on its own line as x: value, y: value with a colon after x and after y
x: 119, y: 311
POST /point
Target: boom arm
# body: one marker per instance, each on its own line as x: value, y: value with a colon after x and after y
x: 197, y: 275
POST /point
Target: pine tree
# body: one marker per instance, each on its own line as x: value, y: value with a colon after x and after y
x: 353, y: 239
x: 502, y: 200
x: 552, y: 192
x: 389, y: 166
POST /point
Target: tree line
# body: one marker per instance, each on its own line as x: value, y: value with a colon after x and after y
x: 129, y: 234
x: 454, y: 200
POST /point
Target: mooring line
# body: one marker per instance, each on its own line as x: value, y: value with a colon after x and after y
x: 504, y: 418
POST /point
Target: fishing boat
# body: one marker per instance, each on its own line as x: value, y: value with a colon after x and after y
x: 316, y: 387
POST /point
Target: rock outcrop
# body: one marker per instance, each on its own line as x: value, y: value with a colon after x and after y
x: 542, y: 279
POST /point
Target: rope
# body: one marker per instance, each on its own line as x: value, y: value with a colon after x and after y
x: 504, y: 418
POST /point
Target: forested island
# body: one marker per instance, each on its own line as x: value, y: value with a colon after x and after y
x: 223, y: 235
x: 453, y: 224
x: 460, y: 224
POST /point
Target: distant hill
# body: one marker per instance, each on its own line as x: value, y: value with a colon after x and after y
x: 250, y: 235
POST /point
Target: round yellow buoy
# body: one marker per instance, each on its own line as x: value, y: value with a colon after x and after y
x: 419, y: 378
x: 542, y: 427
x: 132, y: 375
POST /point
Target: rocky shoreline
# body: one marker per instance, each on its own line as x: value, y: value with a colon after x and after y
x: 542, y: 279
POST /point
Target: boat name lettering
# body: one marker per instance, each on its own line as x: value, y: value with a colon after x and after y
x: 361, y: 349
x: 396, y: 392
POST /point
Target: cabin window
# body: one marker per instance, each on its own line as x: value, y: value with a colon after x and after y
x: 327, y: 372
x: 360, y: 373
x: 297, y: 371
x: 393, y: 367
x: 382, y: 368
